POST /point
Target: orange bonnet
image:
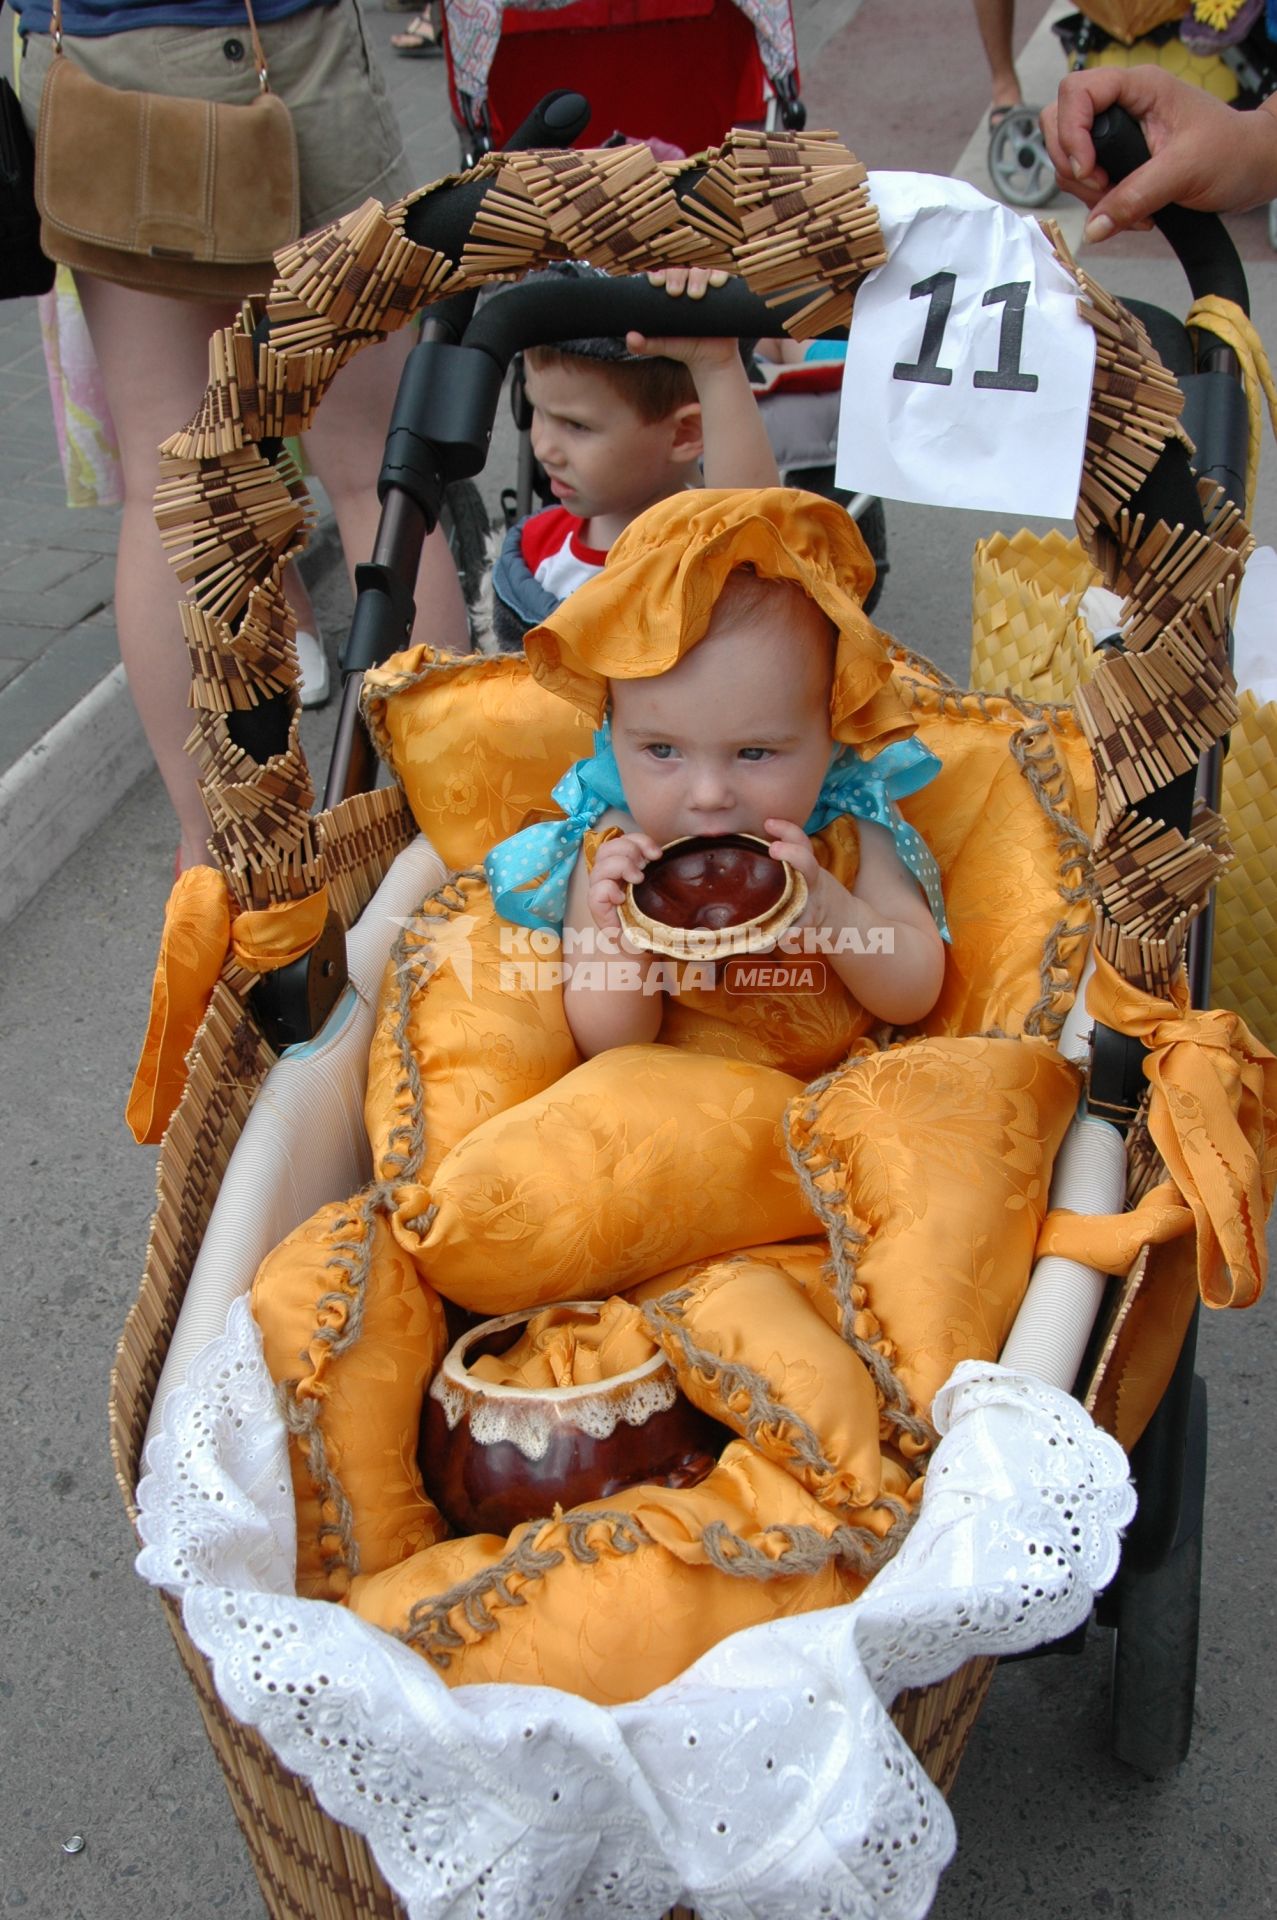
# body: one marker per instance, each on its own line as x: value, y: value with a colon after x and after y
x: 655, y: 595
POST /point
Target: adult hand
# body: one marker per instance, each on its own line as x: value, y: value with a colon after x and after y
x: 1204, y: 154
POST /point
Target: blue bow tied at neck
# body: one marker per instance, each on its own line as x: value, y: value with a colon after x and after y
x: 551, y: 848
x: 870, y: 789
x: 548, y: 852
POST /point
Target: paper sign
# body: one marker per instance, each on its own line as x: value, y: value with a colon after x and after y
x: 969, y: 369
x: 1255, y: 626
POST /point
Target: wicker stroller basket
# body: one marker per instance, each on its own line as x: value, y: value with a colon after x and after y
x: 790, y: 214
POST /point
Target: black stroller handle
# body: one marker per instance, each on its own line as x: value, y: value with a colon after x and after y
x: 541, y: 312
x: 1200, y: 241
x: 556, y: 121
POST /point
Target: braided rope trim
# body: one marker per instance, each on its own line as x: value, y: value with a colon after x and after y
x: 822, y: 1174
x: 747, y: 1404
x: 745, y: 1393
x: 339, y: 1325
x: 783, y: 1552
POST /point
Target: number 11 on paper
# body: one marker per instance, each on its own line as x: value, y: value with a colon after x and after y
x: 968, y: 367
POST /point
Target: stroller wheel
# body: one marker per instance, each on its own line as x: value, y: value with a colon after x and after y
x: 1157, y: 1619
x: 1019, y: 166
x: 466, y: 526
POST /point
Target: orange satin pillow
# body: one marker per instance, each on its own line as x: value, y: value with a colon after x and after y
x: 359, y: 1498
x: 470, y: 1022
x: 931, y: 1163
x: 1007, y: 863
x: 612, y: 1608
x: 749, y: 1348
x: 640, y: 1159
x: 476, y: 744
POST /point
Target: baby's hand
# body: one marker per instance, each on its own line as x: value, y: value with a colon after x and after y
x: 618, y: 862
x: 791, y: 844
x: 693, y: 282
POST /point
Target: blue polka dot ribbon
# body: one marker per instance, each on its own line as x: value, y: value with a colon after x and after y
x: 549, y: 850
x: 529, y: 873
x: 870, y: 789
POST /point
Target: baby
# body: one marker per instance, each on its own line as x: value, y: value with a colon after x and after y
x: 735, y: 739
x: 736, y: 710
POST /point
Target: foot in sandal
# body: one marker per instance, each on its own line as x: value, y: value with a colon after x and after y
x: 421, y: 38
x: 999, y: 113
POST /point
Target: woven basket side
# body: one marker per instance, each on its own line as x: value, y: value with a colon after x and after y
x: 1244, y: 961
x: 1026, y: 634
x: 228, y: 1062
x: 937, y: 1720
x: 308, y: 1867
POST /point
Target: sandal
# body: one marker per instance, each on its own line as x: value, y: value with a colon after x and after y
x: 998, y: 114
x: 420, y: 39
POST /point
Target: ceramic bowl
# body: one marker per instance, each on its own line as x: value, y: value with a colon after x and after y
x: 494, y: 1455
x: 711, y: 896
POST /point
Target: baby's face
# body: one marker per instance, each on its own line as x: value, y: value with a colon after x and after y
x: 737, y: 733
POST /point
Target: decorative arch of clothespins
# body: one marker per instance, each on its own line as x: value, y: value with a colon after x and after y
x: 791, y: 214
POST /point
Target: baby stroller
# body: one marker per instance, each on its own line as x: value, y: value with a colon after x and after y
x: 279, y: 1708
x: 620, y: 54
x: 1242, y: 71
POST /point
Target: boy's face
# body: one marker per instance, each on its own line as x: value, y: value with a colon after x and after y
x: 737, y: 733
x: 603, y: 461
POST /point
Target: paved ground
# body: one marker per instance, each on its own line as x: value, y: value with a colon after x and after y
x: 101, y: 1735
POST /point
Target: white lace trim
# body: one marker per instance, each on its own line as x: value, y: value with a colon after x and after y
x: 529, y: 1420
x: 765, y: 1782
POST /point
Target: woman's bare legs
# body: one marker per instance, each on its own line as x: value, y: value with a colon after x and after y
x: 996, y: 20
x: 345, y: 446
x: 153, y: 354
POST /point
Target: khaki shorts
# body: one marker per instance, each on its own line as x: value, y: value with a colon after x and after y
x: 348, y: 141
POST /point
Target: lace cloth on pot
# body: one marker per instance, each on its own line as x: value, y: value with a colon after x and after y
x: 766, y: 1782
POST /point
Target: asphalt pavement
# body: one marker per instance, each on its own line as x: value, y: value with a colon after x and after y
x: 101, y: 1737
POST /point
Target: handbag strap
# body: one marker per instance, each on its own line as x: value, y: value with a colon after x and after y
x: 259, y: 52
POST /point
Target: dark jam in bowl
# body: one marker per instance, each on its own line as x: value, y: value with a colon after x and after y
x: 711, y: 882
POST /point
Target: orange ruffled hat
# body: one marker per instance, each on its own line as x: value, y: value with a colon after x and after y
x: 655, y: 596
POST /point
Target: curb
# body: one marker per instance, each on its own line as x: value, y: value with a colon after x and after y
x: 64, y: 786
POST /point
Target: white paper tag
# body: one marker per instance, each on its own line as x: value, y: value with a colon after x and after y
x: 1255, y: 627
x: 969, y: 368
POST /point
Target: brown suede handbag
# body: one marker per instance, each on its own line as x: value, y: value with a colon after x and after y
x: 176, y: 196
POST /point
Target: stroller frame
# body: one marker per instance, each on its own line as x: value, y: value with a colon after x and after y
x: 368, y: 273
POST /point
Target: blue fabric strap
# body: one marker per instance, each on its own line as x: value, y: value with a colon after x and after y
x: 548, y: 852
x: 551, y: 848
x: 870, y: 789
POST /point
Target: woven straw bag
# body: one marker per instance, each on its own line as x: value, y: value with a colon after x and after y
x: 1244, y: 962
x: 1027, y: 635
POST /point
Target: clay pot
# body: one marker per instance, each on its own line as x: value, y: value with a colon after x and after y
x: 711, y: 896
x: 494, y: 1455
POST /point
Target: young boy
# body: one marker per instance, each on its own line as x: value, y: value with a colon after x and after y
x: 725, y: 650
x: 618, y: 425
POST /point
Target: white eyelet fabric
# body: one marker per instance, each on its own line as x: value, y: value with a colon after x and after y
x: 765, y: 1783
